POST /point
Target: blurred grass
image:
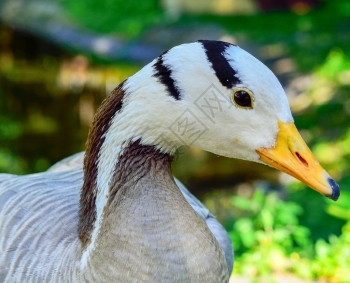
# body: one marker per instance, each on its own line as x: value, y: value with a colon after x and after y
x: 125, y: 18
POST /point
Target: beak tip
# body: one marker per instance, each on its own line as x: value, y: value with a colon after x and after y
x: 335, y: 189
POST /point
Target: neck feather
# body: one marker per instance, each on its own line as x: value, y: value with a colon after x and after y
x: 112, y: 159
x: 136, y: 162
x: 102, y: 122
x: 147, y: 222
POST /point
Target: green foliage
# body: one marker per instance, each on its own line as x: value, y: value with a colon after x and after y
x: 274, y: 221
x: 10, y: 130
x: 306, y: 38
x: 332, y: 259
x: 126, y: 18
x: 270, y: 240
x: 10, y: 162
x: 329, y: 109
x: 341, y: 208
x: 268, y: 234
x: 336, y: 66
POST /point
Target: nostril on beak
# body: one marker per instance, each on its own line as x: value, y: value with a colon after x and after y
x: 301, y: 159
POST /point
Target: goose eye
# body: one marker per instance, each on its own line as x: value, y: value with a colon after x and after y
x: 243, y: 98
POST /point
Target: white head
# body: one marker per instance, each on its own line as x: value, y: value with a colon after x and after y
x: 186, y: 97
x: 216, y: 96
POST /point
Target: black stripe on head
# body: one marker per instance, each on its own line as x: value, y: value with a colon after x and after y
x: 215, y: 53
x: 163, y: 73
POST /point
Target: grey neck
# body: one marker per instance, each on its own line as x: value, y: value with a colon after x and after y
x: 137, y: 164
x: 149, y: 231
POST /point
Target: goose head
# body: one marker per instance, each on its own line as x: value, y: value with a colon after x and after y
x: 216, y: 96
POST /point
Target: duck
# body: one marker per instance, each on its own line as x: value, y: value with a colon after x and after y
x: 116, y: 213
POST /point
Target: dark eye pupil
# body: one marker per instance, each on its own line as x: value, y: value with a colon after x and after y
x: 242, y: 98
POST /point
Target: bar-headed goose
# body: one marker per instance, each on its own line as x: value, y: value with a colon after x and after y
x: 124, y: 219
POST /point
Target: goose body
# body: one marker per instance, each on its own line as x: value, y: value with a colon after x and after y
x: 56, y: 193
x: 123, y: 217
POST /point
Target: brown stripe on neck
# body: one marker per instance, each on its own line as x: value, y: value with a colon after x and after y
x: 102, y: 121
x: 137, y: 161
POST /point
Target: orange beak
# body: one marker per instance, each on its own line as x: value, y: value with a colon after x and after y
x: 292, y: 156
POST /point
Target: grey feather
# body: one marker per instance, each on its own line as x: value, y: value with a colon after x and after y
x: 39, y: 216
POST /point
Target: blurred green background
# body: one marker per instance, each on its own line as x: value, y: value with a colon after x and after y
x: 59, y: 59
